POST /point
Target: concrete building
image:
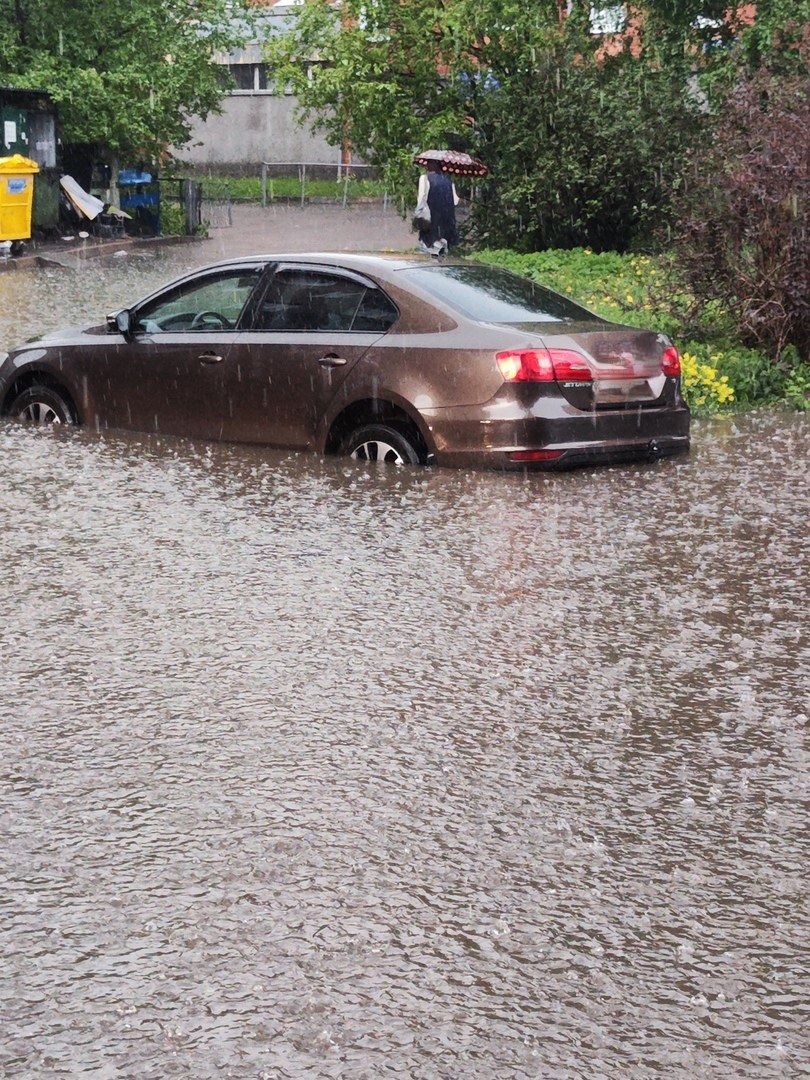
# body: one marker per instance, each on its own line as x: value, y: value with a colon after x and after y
x: 255, y: 124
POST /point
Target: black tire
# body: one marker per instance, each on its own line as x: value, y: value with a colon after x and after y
x: 380, y: 442
x: 41, y: 405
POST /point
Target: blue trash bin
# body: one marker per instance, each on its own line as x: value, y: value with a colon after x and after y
x: 140, y: 198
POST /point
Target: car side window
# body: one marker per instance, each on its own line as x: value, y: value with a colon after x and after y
x: 307, y: 300
x: 215, y: 303
x: 375, y: 313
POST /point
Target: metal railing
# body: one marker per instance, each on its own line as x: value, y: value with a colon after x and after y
x: 201, y: 204
x: 309, y: 169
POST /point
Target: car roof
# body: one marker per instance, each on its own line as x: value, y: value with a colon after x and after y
x: 374, y: 263
x: 390, y: 258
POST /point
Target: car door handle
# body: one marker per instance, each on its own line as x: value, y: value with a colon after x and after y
x: 332, y: 360
x: 210, y: 358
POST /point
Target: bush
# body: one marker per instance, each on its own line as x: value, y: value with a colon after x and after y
x: 172, y: 218
x: 632, y: 289
x: 797, y: 388
x: 745, y: 213
x: 585, y: 150
x: 702, y: 385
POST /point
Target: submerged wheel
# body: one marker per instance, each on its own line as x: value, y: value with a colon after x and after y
x: 379, y: 442
x: 41, y: 405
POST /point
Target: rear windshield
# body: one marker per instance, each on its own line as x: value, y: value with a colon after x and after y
x: 490, y: 294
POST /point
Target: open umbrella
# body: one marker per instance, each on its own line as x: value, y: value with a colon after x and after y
x: 453, y: 162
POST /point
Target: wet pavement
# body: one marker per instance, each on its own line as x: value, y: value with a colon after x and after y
x: 362, y: 227
x: 254, y: 229
x: 311, y: 770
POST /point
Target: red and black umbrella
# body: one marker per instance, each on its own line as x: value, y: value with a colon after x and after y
x: 453, y: 162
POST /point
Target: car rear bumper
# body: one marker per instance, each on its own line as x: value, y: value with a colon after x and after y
x: 465, y: 438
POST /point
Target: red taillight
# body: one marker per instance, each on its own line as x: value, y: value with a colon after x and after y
x: 525, y: 365
x: 543, y: 365
x: 570, y: 366
x: 671, y: 362
x: 535, y: 455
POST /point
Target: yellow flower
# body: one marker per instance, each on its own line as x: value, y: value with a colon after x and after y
x: 701, y: 385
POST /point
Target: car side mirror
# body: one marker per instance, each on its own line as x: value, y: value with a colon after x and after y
x: 119, y: 323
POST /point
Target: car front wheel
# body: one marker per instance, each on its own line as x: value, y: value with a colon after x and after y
x: 380, y: 442
x: 41, y: 405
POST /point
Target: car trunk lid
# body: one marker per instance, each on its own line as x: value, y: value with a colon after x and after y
x: 622, y: 368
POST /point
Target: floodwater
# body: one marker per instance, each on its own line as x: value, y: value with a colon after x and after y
x: 310, y: 770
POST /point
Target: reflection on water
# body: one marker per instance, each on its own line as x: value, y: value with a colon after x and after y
x: 314, y: 771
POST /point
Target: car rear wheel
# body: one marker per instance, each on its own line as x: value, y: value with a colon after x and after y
x: 41, y: 405
x: 380, y: 442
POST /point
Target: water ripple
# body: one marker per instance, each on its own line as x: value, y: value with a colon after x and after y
x: 310, y: 771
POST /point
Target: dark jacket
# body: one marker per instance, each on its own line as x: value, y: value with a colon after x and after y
x: 442, y: 211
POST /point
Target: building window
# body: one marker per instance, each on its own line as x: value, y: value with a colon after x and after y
x: 249, y: 76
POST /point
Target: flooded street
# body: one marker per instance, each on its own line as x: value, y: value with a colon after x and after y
x: 316, y: 771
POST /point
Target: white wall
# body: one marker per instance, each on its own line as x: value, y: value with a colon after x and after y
x: 254, y: 126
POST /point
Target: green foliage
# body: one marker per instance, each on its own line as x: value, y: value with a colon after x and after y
x: 797, y: 388
x: 380, y: 82
x: 775, y: 37
x: 631, y: 289
x: 745, y: 212
x: 596, y: 150
x: 678, y: 31
x: 172, y: 218
x: 583, y: 148
x: 125, y: 76
x: 755, y: 378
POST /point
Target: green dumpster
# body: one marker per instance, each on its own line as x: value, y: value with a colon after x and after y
x: 16, y: 196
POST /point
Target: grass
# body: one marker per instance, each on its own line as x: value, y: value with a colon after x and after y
x: 249, y: 188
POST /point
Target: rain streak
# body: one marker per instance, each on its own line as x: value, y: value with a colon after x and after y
x: 312, y: 769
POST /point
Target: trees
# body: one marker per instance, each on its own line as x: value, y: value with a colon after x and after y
x: 586, y: 151
x: 745, y: 209
x: 125, y: 76
x: 380, y: 74
x: 584, y: 147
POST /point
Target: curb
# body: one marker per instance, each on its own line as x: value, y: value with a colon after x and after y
x: 48, y: 253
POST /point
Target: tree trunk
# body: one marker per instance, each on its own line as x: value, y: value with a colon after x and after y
x: 113, y: 194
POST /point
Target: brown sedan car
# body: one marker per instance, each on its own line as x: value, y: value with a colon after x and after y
x: 401, y: 359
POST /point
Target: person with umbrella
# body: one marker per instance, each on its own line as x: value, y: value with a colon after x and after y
x: 438, y: 192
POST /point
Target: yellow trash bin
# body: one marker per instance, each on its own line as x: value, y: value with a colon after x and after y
x: 16, y: 196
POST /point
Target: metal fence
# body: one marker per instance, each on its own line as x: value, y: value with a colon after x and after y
x: 313, y: 170
x: 197, y: 204
x: 208, y: 201
x: 216, y: 207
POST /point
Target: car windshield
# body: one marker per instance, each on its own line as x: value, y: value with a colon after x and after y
x: 490, y: 294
